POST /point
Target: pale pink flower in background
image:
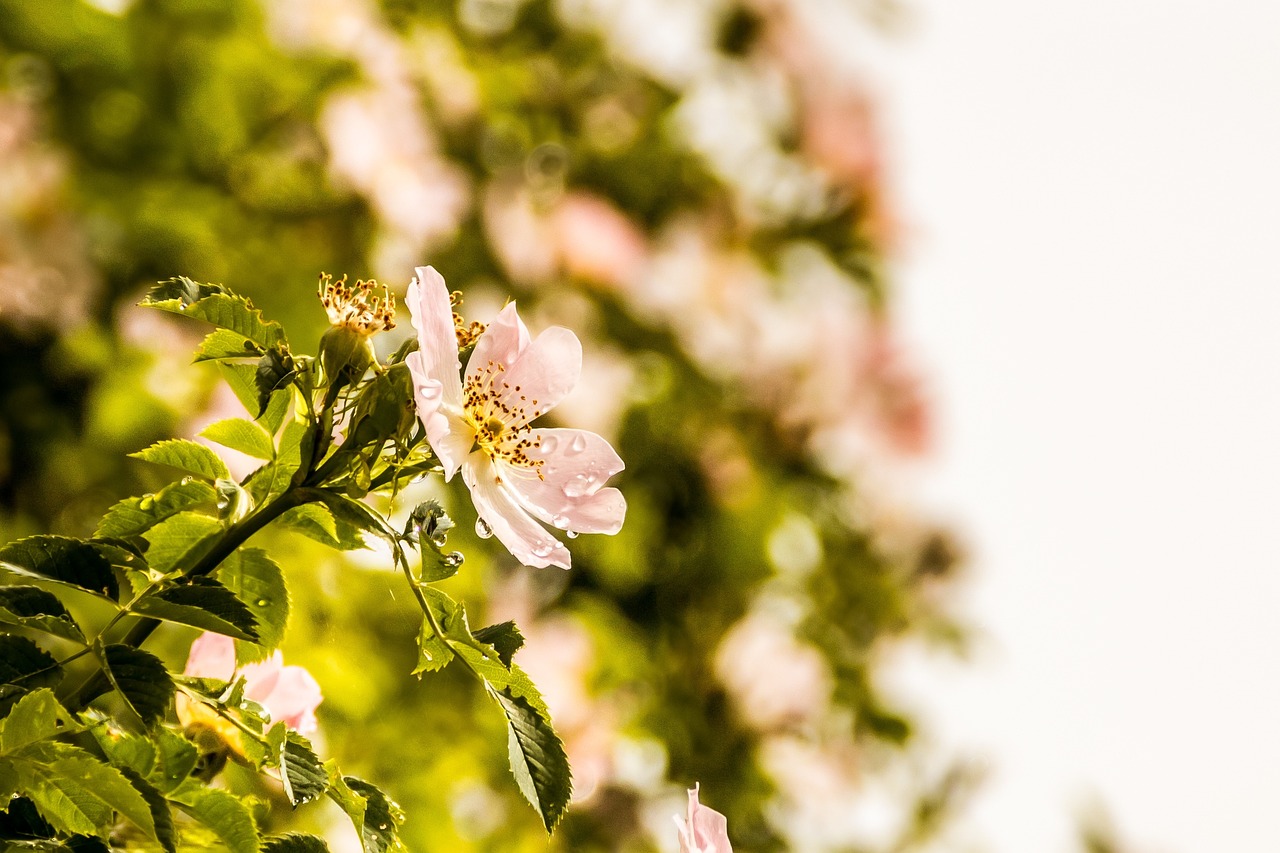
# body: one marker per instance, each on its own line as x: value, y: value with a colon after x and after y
x: 597, y: 241
x: 287, y: 693
x: 481, y: 426
x: 776, y: 681
x: 705, y: 830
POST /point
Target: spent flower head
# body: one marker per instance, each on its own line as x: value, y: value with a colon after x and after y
x: 365, y: 307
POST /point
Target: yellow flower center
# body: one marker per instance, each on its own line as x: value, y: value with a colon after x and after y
x: 500, y: 414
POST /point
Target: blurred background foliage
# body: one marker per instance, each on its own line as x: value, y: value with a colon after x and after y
x: 697, y: 189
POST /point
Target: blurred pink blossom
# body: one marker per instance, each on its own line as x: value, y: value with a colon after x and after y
x: 597, y: 241
x: 775, y: 680
x: 515, y: 473
x: 288, y: 693
x: 705, y: 830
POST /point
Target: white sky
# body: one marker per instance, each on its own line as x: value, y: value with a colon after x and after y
x: 1093, y: 281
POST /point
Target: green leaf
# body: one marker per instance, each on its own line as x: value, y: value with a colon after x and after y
x: 276, y: 410
x: 77, y: 793
x: 202, y: 603
x: 176, y: 757
x: 257, y: 581
x: 348, y: 511
x: 223, y: 813
x: 316, y: 522
x: 274, y: 372
x: 352, y: 803
x: 161, y: 815
x: 133, y: 516
x: 505, y: 638
x: 134, y: 752
x: 185, y: 455
x: 294, y: 842
x: 244, y: 436
x: 239, y: 378
x: 24, y: 667
x: 537, y: 757
x: 301, y: 772
x: 39, y: 609
x: 63, y: 560
x: 215, y: 304
x: 36, y: 716
x: 435, y: 651
x: 382, y: 817
x: 141, y: 679
x: 224, y: 343
x: 9, y: 781
x: 178, y: 541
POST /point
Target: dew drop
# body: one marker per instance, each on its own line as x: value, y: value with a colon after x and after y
x: 550, y: 443
x: 186, y: 481
x: 572, y: 534
x: 263, y: 602
x: 483, y: 530
x: 453, y: 559
x: 543, y: 551
x: 578, y: 444
x: 578, y: 486
x: 560, y: 521
x: 223, y: 501
x: 147, y: 502
x: 439, y: 539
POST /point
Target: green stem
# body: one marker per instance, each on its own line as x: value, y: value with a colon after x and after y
x: 236, y: 535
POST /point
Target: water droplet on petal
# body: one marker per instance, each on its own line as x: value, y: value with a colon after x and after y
x: 578, y: 444
x: 560, y: 521
x: 577, y: 487
x: 543, y: 551
x: 550, y: 443
x: 483, y: 530
x: 572, y: 534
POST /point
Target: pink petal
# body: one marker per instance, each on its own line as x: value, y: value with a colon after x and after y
x: 294, y: 699
x: 569, y: 494
x: 544, y: 373
x: 212, y: 656
x: 707, y: 831
x: 527, y: 540
x: 260, y: 678
x: 447, y: 434
x: 428, y: 301
x: 502, y: 342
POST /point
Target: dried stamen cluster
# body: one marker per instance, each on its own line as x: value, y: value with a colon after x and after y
x: 468, y: 334
x: 365, y: 307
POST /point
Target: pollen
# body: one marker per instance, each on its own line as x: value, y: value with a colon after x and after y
x: 468, y: 333
x: 499, y: 418
x: 366, y: 307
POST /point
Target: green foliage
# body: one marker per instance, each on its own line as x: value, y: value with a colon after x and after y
x: 62, y: 560
x: 134, y: 516
x: 185, y: 456
x: 140, y: 678
x: 201, y: 602
x: 33, y: 607
x: 242, y: 435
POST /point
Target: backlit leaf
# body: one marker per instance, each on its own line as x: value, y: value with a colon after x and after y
x: 67, y: 561
x: 185, y: 455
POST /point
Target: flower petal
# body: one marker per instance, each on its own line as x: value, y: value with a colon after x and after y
x: 449, y: 435
x: 212, y: 656
x: 294, y: 698
x: 502, y: 342
x: 428, y: 301
x: 540, y: 378
x: 569, y: 494
x: 528, y: 541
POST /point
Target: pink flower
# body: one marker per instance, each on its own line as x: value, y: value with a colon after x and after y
x: 705, y: 830
x: 481, y: 426
x: 288, y: 693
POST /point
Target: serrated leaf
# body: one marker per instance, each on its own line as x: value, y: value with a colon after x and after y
x: 141, y: 678
x: 315, y: 521
x: 77, y: 793
x: 176, y: 757
x: 202, y: 603
x: 35, y: 717
x: 258, y: 581
x: 382, y: 817
x: 301, y: 772
x: 274, y: 371
x: 223, y: 813
x: 123, y: 750
x: 39, y: 609
x: 294, y: 842
x: 9, y: 781
x: 178, y: 541
x: 24, y: 667
x: 537, y: 756
x: 224, y: 343
x: 359, y: 516
x: 242, y: 435
x: 185, y: 455
x: 62, y: 560
x: 349, y: 801
x: 435, y: 651
x: 161, y: 816
x: 215, y: 304
x: 133, y: 516
x: 276, y: 410
x: 505, y: 638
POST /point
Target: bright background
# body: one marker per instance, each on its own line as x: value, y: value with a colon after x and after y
x: 1093, y: 281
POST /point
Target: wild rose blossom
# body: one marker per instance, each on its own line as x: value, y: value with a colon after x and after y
x: 480, y: 425
x: 288, y: 693
x: 705, y: 830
